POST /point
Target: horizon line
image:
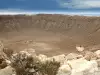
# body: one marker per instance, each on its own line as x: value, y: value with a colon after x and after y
x: 49, y: 12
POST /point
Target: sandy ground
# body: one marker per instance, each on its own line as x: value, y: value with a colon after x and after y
x: 44, y: 42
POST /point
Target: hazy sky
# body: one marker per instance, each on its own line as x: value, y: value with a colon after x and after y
x: 91, y: 6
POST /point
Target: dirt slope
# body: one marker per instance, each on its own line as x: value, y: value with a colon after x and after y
x: 50, y: 34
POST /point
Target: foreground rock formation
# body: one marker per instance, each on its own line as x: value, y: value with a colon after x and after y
x: 29, y: 63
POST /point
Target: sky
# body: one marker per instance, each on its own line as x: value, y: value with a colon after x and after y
x: 87, y: 7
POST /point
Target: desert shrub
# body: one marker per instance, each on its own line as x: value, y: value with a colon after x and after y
x: 23, y: 63
x: 3, y: 63
x: 49, y: 67
x: 26, y: 64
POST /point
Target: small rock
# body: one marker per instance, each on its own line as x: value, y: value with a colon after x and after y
x: 32, y: 70
x: 80, y: 48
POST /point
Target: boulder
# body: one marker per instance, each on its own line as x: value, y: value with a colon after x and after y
x: 7, y: 71
x: 90, y: 56
x: 72, y: 56
x: 64, y: 70
x: 98, y: 61
x: 82, y: 66
x: 59, y: 58
x: 98, y: 54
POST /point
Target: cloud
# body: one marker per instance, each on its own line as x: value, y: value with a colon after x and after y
x: 79, y: 4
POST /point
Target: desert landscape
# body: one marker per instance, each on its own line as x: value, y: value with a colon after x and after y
x: 50, y: 34
x: 56, y: 33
